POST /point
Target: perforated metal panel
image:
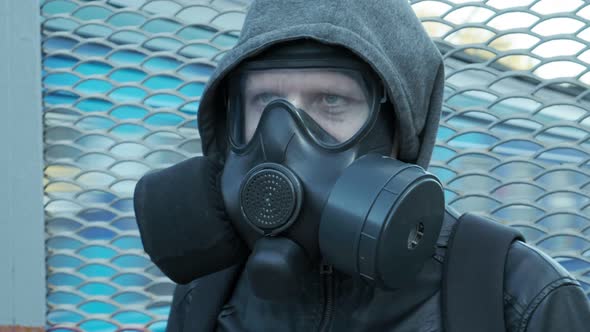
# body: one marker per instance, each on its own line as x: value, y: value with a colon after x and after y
x: 122, y: 81
x: 514, y: 137
x: 122, y: 84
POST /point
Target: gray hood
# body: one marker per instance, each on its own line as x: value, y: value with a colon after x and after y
x: 384, y: 33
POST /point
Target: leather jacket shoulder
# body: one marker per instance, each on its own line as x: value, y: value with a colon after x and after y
x: 539, y: 296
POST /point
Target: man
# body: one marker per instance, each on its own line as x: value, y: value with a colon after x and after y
x: 311, y: 87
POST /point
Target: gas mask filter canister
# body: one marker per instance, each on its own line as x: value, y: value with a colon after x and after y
x: 382, y: 220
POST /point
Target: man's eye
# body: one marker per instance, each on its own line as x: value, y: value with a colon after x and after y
x: 333, y: 100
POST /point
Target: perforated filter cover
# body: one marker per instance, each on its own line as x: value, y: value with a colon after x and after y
x: 270, y: 197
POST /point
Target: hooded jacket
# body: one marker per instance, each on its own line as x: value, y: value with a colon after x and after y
x: 539, y: 295
x: 384, y: 33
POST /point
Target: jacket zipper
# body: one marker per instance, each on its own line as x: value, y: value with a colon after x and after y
x: 328, y: 285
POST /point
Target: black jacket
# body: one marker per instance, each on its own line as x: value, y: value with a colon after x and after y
x: 539, y: 295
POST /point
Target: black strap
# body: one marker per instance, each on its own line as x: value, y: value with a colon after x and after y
x: 473, y: 281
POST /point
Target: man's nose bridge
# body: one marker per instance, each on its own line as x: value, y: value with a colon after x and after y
x: 295, y: 99
x: 278, y: 127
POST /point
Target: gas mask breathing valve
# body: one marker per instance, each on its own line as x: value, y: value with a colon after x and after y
x: 271, y: 198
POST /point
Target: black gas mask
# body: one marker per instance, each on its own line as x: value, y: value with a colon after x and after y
x: 295, y: 128
x: 307, y: 180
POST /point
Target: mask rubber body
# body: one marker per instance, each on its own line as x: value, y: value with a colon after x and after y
x: 292, y: 161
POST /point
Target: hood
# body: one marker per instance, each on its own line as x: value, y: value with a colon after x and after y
x: 384, y: 33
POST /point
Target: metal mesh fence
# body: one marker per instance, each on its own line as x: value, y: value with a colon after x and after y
x: 122, y: 81
x: 514, y: 138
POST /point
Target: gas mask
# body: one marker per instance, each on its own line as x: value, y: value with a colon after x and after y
x: 307, y: 180
x: 291, y: 189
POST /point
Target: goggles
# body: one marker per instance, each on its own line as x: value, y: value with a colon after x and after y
x: 335, y: 101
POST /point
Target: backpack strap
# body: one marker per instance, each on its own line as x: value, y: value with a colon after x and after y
x: 473, y: 279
